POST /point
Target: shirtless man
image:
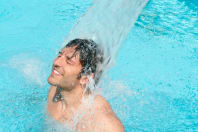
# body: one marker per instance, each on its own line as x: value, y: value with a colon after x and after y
x: 70, y: 100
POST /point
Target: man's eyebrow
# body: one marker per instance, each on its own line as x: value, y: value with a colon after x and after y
x: 74, y: 54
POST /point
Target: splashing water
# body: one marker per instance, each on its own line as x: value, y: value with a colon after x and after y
x: 30, y: 67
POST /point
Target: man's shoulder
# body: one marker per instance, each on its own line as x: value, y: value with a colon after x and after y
x: 101, y: 104
x: 105, y: 116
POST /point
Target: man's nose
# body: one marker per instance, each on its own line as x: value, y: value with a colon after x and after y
x: 58, y: 61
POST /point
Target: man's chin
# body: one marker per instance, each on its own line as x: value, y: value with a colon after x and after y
x: 52, y: 81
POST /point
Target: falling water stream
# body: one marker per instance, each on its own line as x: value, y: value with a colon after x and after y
x: 108, y: 23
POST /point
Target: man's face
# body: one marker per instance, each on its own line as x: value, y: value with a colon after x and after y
x: 65, y: 69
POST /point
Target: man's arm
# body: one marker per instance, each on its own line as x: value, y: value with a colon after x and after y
x: 51, y: 93
x: 53, y: 107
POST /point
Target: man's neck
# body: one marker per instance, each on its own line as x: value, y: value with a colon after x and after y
x: 72, y: 98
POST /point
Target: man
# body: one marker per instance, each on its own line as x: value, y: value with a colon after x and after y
x: 70, y: 99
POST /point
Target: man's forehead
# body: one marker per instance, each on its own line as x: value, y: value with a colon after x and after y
x: 71, y: 51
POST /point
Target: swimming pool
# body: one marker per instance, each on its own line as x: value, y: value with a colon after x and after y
x: 152, y: 87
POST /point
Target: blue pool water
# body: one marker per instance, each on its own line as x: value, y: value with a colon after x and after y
x: 152, y: 87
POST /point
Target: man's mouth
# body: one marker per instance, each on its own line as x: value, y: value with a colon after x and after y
x: 55, y: 72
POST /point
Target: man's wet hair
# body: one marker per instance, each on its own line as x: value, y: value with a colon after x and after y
x: 91, y: 57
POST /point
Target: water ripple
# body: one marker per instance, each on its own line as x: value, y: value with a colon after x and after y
x: 66, y: 11
x: 160, y: 18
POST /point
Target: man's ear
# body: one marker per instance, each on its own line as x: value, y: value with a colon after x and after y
x: 86, y: 79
